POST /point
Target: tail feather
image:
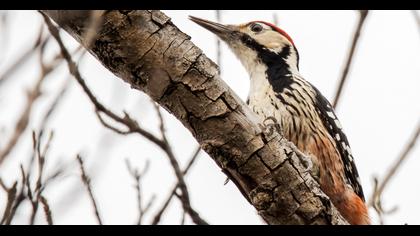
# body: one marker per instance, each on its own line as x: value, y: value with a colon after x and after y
x: 354, y: 209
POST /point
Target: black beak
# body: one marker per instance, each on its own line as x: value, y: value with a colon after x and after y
x: 223, y: 31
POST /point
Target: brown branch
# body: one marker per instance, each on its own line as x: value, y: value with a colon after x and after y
x: 218, y: 43
x: 19, y: 198
x: 183, y: 218
x: 146, y: 50
x: 375, y: 199
x: 32, y: 96
x: 137, y: 177
x: 23, y: 121
x: 159, y: 213
x: 185, y: 198
x: 86, y: 182
x: 26, y: 192
x: 47, y: 210
x: 362, y: 16
x: 44, y: 121
x: 35, y: 196
x: 11, y: 196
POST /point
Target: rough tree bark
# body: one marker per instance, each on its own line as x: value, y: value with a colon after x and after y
x: 146, y: 50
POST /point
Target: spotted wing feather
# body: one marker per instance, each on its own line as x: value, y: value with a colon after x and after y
x: 332, y: 124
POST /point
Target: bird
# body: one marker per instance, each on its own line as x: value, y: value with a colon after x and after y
x: 306, y: 118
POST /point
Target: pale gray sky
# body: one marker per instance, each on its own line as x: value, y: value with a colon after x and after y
x: 379, y: 109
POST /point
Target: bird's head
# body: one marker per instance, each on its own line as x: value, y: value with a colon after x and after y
x: 257, y: 43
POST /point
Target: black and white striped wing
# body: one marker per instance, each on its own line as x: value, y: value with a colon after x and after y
x: 332, y: 124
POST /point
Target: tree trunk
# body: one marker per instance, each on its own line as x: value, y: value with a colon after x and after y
x: 146, y: 50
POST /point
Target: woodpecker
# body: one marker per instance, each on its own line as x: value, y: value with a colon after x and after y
x: 306, y: 117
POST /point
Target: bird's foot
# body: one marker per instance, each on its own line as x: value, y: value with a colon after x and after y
x: 270, y: 126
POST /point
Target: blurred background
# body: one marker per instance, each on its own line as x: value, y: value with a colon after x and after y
x: 378, y: 108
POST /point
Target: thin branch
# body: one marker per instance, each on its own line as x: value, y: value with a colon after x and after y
x: 137, y: 177
x: 32, y: 96
x: 35, y: 196
x: 86, y: 182
x: 11, y: 196
x: 19, y: 198
x: 23, y: 120
x: 375, y: 199
x: 149, y: 204
x: 26, y: 192
x: 362, y: 16
x: 183, y: 218
x: 218, y: 43
x: 47, y: 210
x: 184, y: 197
x: 159, y: 214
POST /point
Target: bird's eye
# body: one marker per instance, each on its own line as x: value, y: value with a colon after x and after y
x: 256, y: 28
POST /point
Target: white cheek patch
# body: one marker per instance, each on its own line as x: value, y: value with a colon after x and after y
x: 274, y: 45
x: 271, y: 40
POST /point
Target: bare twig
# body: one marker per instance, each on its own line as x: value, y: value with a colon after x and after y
x: 33, y: 95
x: 149, y: 204
x: 35, y: 196
x: 375, y: 199
x: 218, y: 44
x: 183, y: 218
x: 184, y: 197
x: 11, y: 196
x: 130, y: 123
x: 86, y: 182
x: 362, y: 16
x: 47, y: 210
x: 137, y: 177
x: 158, y: 215
x: 23, y: 121
x: 20, y: 197
x: 31, y: 194
x: 43, y: 125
